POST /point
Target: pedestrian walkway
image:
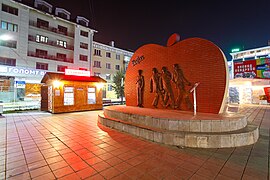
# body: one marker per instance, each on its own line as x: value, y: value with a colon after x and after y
x: 37, y: 145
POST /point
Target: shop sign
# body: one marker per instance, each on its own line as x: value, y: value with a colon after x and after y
x: 20, y: 84
x: 245, y: 69
x: 20, y: 70
x: 76, y: 72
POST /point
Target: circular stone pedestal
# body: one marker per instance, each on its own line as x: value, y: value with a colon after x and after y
x: 181, y: 128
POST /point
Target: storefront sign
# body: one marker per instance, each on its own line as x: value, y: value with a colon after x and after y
x: 245, y: 69
x: 13, y: 71
x: 267, y: 93
x: 20, y: 84
x: 75, y: 72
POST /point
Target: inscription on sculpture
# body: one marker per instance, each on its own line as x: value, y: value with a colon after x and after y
x: 138, y: 60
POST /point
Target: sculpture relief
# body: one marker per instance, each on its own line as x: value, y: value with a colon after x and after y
x: 166, y: 77
x: 155, y: 87
x: 180, y: 82
x: 140, y: 88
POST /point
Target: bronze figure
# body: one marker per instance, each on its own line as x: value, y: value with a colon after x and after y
x: 140, y: 88
x: 155, y: 87
x: 180, y: 81
x: 166, y: 77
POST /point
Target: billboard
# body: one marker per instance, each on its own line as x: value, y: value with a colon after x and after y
x: 257, y: 68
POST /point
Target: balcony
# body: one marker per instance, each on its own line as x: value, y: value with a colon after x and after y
x: 51, y: 43
x: 51, y: 29
x: 49, y: 57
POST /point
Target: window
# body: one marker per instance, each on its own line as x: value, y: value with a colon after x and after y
x: 108, y: 77
x: 83, y: 57
x: 84, y: 69
x: 117, y: 67
x: 118, y: 56
x: 61, y: 68
x: 97, y: 64
x: 40, y: 38
x: 43, y: 8
x: 91, y: 95
x: 84, y: 33
x: 61, y: 56
x: 41, y: 23
x: 62, y: 30
x: 96, y: 74
x: 68, y: 96
x: 43, y: 66
x: 109, y: 87
x: 63, y: 15
x: 108, y: 54
x: 83, y: 45
x: 10, y: 9
x: 41, y: 53
x: 8, y: 43
x: 97, y: 52
x: 61, y: 43
x: 7, y: 61
x: 9, y: 26
x: 108, y: 66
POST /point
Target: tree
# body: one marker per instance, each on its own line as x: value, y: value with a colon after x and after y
x: 118, y: 84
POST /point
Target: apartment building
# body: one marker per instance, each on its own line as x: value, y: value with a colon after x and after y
x: 107, y: 60
x: 40, y: 38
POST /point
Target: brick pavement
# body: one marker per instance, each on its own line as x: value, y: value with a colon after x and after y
x: 37, y: 145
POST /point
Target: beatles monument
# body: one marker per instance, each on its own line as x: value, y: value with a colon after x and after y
x: 176, y: 95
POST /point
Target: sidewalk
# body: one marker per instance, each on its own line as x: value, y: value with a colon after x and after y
x: 39, y: 145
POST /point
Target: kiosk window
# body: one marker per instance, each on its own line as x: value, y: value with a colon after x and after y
x: 91, y: 96
x: 68, y: 96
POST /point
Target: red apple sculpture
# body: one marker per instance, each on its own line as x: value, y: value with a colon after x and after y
x: 200, y: 60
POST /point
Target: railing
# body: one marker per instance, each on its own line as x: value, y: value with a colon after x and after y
x: 49, y: 57
x: 52, y: 43
x: 52, y: 29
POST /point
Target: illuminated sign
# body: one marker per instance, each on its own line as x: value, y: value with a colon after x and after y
x: 235, y: 50
x: 75, y: 72
x: 20, y: 71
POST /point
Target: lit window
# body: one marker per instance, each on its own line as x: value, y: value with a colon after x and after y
x: 4, y: 25
x: 40, y: 38
x: 61, y: 43
x: 9, y: 26
x: 91, y: 95
x: 68, y: 96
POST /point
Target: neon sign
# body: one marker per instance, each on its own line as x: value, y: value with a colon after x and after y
x: 76, y: 72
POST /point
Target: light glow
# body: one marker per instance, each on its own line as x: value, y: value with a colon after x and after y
x: 56, y: 84
x: 100, y: 85
x: 5, y: 37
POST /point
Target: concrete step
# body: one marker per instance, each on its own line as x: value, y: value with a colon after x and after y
x: 176, y: 120
x: 241, y: 137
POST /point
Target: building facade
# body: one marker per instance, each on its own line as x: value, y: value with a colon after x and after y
x: 250, y: 76
x: 38, y: 39
x: 107, y: 61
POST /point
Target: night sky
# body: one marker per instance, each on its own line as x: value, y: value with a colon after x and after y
x: 131, y: 24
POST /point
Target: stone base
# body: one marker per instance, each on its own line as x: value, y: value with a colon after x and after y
x: 181, y: 128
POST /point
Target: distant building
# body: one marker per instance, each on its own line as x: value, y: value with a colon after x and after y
x: 250, y: 76
x: 107, y: 60
x: 39, y: 39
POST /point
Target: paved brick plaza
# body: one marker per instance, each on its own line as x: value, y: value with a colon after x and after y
x: 37, y: 145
